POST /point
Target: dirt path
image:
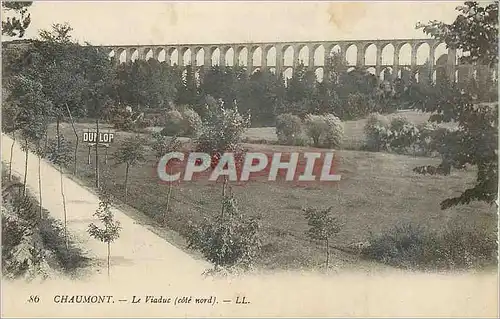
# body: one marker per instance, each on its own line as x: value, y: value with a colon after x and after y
x: 137, y: 251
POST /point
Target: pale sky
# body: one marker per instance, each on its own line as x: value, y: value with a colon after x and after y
x: 102, y: 22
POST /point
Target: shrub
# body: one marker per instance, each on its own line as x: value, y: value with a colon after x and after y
x: 315, y: 127
x: 289, y: 129
x: 22, y: 251
x: 163, y: 145
x: 325, y: 130
x: 173, y: 123
x: 461, y: 247
x: 191, y: 122
x: 402, y: 134
x: 230, y: 240
x: 59, y: 156
x: 27, y: 239
x: 356, y: 106
x: 376, y: 132
x: 222, y: 130
x: 427, y: 142
x: 52, y: 234
x: 121, y: 118
x: 413, y: 247
x: 182, y: 121
x: 335, y: 131
x: 400, y: 246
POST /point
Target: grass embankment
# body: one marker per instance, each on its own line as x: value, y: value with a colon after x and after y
x: 24, y: 232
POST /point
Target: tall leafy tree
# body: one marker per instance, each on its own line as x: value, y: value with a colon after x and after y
x: 10, y: 109
x: 213, y: 83
x: 142, y: 84
x: 262, y: 96
x: 301, y: 85
x: 187, y: 93
x: 33, y: 115
x: 54, y: 61
x: 475, y: 30
x: 57, y: 61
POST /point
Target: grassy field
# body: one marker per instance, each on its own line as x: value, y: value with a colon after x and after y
x: 377, y: 192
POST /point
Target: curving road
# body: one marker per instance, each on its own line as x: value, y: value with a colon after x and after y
x: 137, y: 251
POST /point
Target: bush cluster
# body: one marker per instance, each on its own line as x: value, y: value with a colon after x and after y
x: 325, y: 130
x: 414, y: 247
x: 401, y: 136
x: 376, y: 132
x: 182, y: 121
x: 318, y: 130
x: 121, y: 118
x: 289, y: 129
x: 357, y: 106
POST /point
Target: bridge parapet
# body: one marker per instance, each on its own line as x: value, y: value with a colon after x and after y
x: 395, y: 55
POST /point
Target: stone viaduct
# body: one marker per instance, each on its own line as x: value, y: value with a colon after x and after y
x: 249, y: 55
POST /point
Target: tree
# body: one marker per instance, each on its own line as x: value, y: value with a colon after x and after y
x: 9, y: 125
x: 261, y: 96
x: 59, y: 60
x: 323, y: 226
x: 144, y: 83
x: 98, y: 90
x: 33, y: 115
x: 222, y: 132
x: 301, y: 85
x: 54, y: 61
x: 58, y: 152
x: 475, y: 30
x: 16, y: 26
x: 475, y: 142
x: 163, y: 145
x: 187, y: 93
x: 130, y: 153
x: 219, y: 241
x: 40, y: 152
x: 112, y: 227
x: 229, y: 240
x: 222, y: 129
x: 335, y: 65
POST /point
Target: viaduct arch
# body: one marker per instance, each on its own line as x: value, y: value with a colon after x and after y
x: 394, y: 56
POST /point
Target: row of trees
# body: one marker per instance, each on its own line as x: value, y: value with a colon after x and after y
x: 49, y: 81
x: 349, y: 95
x: 151, y: 84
